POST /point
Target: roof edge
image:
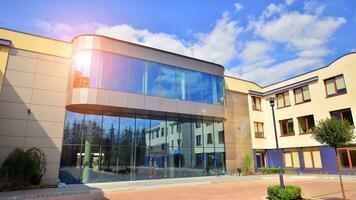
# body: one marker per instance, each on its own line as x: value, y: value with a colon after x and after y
x: 35, y: 35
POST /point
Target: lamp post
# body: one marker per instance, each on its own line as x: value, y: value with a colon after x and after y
x: 281, y: 181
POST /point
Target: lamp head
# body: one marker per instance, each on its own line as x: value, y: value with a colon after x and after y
x: 271, y: 101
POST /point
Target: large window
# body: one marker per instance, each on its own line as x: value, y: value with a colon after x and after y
x: 283, y: 100
x: 312, y: 158
x: 287, y: 127
x: 256, y: 103
x: 343, y: 115
x: 306, y: 124
x: 347, y: 157
x: 302, y: 94
x: 291, y: 159
x: 258, y: 126
x: 99, y: 148
x: 335, y: 86
x: 104, y: 70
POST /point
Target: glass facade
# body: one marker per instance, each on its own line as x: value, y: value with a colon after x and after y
x: 99, y: 148
x: 105, y: 70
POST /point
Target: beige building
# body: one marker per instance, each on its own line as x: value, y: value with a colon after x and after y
x: 107, y: 110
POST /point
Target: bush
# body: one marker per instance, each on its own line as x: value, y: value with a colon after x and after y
x: 23, y: 168
x: 272, y: 171
x: 290, y: 192
x: 246, y: 165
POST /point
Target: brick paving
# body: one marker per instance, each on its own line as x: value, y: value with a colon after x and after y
x: 204, y: 188
x: 255, y: 189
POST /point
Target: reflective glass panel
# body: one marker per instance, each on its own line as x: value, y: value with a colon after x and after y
x: 153, y: 78
x: 167, y: 81
x: 70, y: 171
x: 182, y: 80
x: 137, y: 71
x: 72, y: 129
x: 207, y: 88
x: 195, y: 86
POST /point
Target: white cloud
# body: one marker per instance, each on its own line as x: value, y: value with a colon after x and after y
x: 238, y: 7
x: 303, y: 35
x: 219, y: 45
x: 289, y: 2
x: 313, y: 7
x: 65, y: 31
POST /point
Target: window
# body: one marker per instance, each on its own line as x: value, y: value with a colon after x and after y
x: 287, y: 127
x: 335, y: 86
x: 157, y: 133
x: 343, y: 115
x: 198, y: 125
x: 198, y: 140
x: 162, y: 132
x: 347, y: 157
x: 312, y: 159
x: 306, y: 124
x: 258, y: 129
x: 167, y: 81
x: 291, y: 159
x: 221, y: 137
x: 208, y: 123
x: 256, y: 103
x: 283, y: 100
x: 302, y: 95
x: 179, y: 128
x: 179, y: 142
x: 210, y: 138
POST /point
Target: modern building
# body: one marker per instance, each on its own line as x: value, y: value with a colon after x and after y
x: 102, y: 110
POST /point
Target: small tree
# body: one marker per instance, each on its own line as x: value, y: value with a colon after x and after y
x: 246, y: 165
x: 335, y: 133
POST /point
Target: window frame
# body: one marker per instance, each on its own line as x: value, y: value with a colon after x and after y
x: 290, y: 152
x: 281, y: 128
x: 209, y: 138
x: 312, y: 158
x: 198, y: 140
x: 254, y: 103
x: 259, y: 134
x: 342, y: 115
x: 303, y: 98
x: 348, y: 156
x: 305, y: 118
x: 337, y: 93
x: 284, y: 99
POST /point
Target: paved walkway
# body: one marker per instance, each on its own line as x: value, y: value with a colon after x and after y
x: 203, y: 188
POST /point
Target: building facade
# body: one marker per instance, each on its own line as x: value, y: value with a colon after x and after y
x: 107, y: 110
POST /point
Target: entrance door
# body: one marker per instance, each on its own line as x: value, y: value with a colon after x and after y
x: 260, y: 158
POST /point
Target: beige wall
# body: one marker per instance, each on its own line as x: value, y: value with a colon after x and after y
x: 37, y: 82
x: 237, y: 130
x: 320, y: 106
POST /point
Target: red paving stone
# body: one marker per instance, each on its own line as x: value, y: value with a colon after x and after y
x: 255, y: 189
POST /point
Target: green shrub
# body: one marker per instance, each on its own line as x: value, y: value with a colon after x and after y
x: 23, y: 168
x: 246, y: 165
x: 272, y: 170
x: 290, y: 192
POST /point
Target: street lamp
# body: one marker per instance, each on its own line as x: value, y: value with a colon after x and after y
x: 281, y: 181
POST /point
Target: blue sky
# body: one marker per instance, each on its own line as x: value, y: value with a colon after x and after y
x: 263, y: 41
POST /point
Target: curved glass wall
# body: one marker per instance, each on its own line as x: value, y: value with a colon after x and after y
x: 105, y: 70
x: 99, y: 148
